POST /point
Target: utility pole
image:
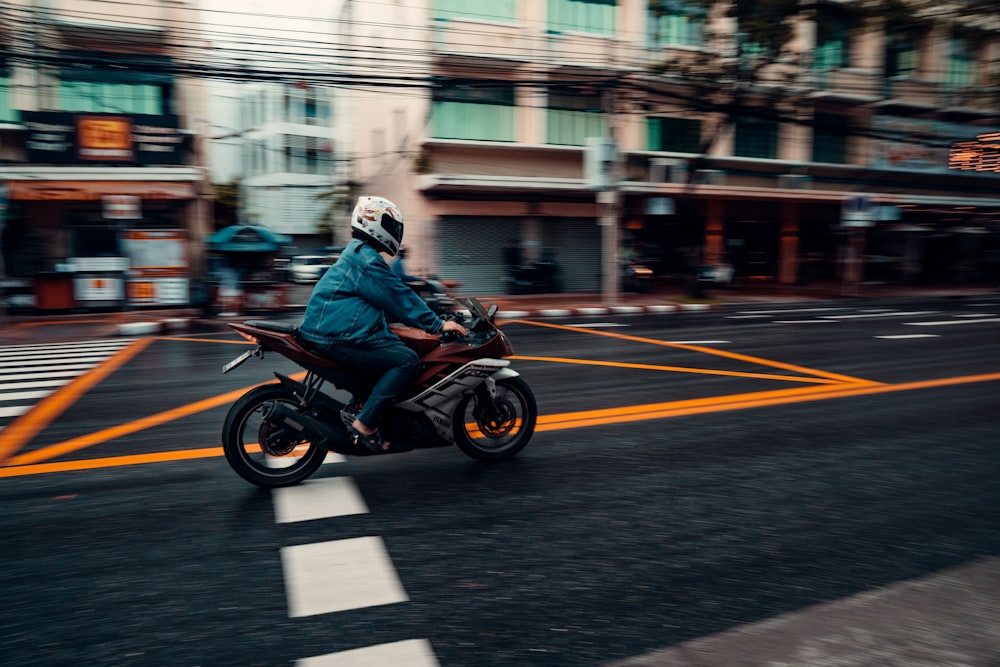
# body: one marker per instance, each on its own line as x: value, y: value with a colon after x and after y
x: 609, y: 199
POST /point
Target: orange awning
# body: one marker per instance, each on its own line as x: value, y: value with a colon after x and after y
x: 96, y: 190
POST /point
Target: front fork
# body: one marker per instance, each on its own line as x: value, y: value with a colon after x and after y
x: 486, y: 407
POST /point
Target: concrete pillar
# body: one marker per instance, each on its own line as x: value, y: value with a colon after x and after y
x: 788, y: 270
x: 714, y: 232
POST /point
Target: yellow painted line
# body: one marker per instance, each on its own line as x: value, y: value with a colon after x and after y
x: 20, y: 431
x: 679, y: 369
x: 706, y: 350
x: 111, y: 462
x: 579, y: 419
x: 113, y: 432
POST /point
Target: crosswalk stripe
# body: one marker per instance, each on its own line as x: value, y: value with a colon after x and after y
x: 30, y: 373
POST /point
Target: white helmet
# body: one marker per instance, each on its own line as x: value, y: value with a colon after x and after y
x: 378, y: 219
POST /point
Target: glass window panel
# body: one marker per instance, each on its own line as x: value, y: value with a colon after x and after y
x: 756, y: 137
x: 678, y: 135
x: 465, y: 120
x: 596, y: 16
x: 682, y: 26
x: 7, y: 112
x: 572, y: 128
x: 489, y: 10
x: 960, y: 71
x: 830, y: 133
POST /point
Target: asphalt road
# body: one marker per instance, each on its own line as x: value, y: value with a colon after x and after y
x: 786, y: 485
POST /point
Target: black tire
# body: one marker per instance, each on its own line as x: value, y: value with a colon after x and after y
x: 503, y: 440
x: 284, y: 460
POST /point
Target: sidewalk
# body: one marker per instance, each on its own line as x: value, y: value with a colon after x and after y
x: 29, y: 329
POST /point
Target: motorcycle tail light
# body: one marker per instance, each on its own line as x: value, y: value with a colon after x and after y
x: 250, y: 338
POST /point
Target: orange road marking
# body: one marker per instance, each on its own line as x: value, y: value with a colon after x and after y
x: 680, y: 369
x: 741, y: 402
x: 240, y: 341
x: 705, y: 350
x: 113, y: 432
x: 27, y: 426
x: 577, y: 419
x: 111, y: 462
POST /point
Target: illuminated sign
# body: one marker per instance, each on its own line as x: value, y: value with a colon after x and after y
x: 980, y: 154
x: 104, y: 138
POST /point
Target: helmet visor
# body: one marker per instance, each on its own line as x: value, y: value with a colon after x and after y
x: 393, y: 227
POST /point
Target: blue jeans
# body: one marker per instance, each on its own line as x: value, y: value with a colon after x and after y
x: 396, y: 367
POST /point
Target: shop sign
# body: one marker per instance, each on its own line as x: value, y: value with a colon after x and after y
x: 79, y: 138
x: 98, y: 288
x: 918, y: 144
x: 122, y: 207
x: 858, y: 211
x: 981, y: 154
x: 158, y: 291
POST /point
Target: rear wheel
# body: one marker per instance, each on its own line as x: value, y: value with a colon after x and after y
x: 488, y: 439
x: 263, y: 452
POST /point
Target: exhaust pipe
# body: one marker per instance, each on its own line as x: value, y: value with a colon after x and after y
x: 325, y: 435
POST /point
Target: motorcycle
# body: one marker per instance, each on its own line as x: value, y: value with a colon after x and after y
x: 278, y: 434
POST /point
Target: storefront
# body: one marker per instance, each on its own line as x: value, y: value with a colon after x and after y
x: 101, y: 212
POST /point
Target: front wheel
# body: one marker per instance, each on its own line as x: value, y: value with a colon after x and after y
x: 263, y: 452
x: 488, y: 439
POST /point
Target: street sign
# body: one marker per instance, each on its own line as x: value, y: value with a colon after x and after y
x: 857, y: 211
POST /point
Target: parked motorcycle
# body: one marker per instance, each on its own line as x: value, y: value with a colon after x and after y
x: 436, y: 294
x: 278, y: 434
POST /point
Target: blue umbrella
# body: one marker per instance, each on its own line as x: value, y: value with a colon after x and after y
x: 247, y: 238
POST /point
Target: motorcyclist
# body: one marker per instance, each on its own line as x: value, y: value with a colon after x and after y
x: 345, y: 318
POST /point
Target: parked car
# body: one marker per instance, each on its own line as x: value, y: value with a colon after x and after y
x: 308, y: 268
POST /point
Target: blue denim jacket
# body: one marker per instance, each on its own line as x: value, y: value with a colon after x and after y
x: 350, y: 302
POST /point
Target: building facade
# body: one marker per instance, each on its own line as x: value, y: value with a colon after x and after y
x: 869, y: 154
x: 100, y: 152
x: 288, y: 153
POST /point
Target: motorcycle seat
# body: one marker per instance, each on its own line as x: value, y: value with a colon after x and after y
x: 277, y: 327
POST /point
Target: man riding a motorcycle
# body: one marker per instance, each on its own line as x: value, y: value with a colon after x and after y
x: 346, y: 316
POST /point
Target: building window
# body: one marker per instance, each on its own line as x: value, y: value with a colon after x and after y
x: 572, y: 116
x: 902, y: 53
x: 596, y: 16
x: 678, y: 135
x: 756, y: 137
x: 960, y: 71
x: 833, y: 40
x: 111, y: 97
x: 481, y: 111
x: 676, y: 24
x: 487, y: 10
x: 830, y: 132
x: 7, y: 112
x: 95, y: 83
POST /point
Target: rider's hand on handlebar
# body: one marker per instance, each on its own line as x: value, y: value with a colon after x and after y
x: 451, y: 326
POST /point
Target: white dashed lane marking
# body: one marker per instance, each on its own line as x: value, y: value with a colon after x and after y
x: 411, y: 653
x: 318, y: 499
x: 325, y: 577
x: 941, y: 323
x: 905, y: 336
x: 340, y: 575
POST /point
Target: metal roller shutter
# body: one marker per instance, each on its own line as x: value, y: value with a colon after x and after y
x: 470, y: 250
x: 577, y: 245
